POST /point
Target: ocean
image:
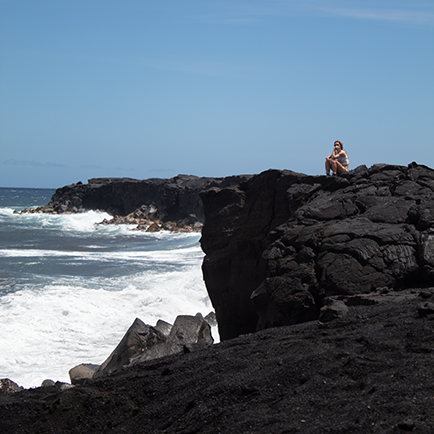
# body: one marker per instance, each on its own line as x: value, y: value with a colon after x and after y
x: 70, y: 288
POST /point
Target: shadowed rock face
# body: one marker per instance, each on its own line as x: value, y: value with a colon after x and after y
x: 279, y: 243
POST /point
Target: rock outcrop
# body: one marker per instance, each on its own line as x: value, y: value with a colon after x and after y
x: 144, y: 342
x: 171, y: 204
x: 8, y: 386
x: 278, y: 244
x: 139, y: 337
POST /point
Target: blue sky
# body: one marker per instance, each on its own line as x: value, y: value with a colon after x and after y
x: 142, y: 89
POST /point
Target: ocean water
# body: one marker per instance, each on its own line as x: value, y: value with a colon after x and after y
x: 70, y: 288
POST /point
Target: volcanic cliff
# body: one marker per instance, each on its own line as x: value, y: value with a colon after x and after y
x: 278, y: 244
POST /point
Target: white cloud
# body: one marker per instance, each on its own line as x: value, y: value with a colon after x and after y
x: 421, y: 13
x: 403, y: 16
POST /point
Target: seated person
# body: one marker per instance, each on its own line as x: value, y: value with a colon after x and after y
x: 338, y: 160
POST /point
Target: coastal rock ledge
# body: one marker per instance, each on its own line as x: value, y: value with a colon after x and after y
x: 281, y: 244
x: 151, y: 204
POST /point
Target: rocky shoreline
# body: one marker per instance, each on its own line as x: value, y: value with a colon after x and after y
x: 140, y: 343
x: 367, y: 370
x: 323, y: 289
x: 152, y: 204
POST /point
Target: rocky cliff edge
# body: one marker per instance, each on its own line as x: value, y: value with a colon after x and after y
x: 280, y: 244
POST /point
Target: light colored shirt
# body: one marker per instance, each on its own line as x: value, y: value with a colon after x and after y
x: 345, y: 161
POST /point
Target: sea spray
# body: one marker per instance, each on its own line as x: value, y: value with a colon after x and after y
x: 70, y: 288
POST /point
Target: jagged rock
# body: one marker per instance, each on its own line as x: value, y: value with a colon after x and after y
x: 8, y: 386
x: 185, y: 331
x: 143, y: 342
x: 80, y: 373
x: 138, y: 338
x: 189, y: 330
x: 158, y: 351
x: 288, y: 240
x: 164, y: 327
x: 211, y: 319
x: 154, y: 227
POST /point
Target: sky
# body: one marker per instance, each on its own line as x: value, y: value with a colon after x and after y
x: 152, y: 89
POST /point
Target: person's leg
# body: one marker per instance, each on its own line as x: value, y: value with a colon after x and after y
x: 339, y: 168
x: 333, y: 166
x: 330, y: 165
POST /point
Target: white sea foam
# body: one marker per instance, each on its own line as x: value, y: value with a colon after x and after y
x: 71, y: 288
x: 72, y: 223
x: 46, y: 332
x: 5, y: 211
x: 184, y: 256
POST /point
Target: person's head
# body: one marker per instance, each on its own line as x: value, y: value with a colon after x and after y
x: 339, y: 144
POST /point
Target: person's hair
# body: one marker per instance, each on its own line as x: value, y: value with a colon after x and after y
x: 338, y: 141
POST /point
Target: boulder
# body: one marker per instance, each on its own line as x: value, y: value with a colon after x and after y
x: 8, y: 386
x: 211, y: 319
x: 153, y: 227
x: 143, y: 342
x: 138, y: 338
x: 79, y: 374
x: 186, y: 331
x: 333, y: 309
x: 164, y: 327
x: 190, y: 329
x: 63, y: 386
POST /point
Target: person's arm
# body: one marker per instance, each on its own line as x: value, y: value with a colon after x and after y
x: 340, y: 154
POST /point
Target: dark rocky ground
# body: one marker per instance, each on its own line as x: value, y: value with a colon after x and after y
x: 369, y: 371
